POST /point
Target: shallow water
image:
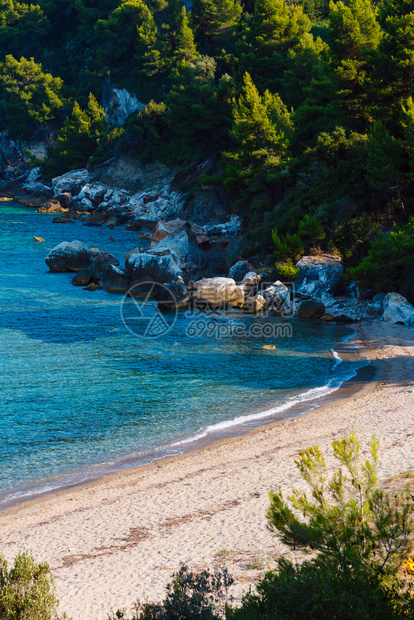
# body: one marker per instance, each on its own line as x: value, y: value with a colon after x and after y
x: 78, y: 389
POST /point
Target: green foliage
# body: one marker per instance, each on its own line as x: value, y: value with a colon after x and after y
x: 288, y: 246
x: 85, y: 136
x: 310, y: 230
x: 347, y: 519
x: 216, y: 18
x: 26, y: 590
x: 144, y: 132
x: 28, y: 96
x: 198, y: 114
x: 351, y: 237
x: 260, y: 133
x: 186, y: 49
x: 385, y: 158
x: 322, y: 592
x: 389, y: 265
x: 190, y: 596
x: 287, y: 271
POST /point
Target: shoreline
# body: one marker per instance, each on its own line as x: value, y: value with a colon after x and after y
x: 249, y: 422
x: 120, y: 538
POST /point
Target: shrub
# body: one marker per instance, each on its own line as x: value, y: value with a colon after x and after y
x: 26, y: 590
x: 190, y: 596
x: 389, y: 265
x: 310, y: 230
x: 348, y: 520
x: 313, y: 591
x: 287, y: 271
x: 287, y: 247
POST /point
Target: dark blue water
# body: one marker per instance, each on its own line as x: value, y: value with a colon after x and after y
x: 78, y: 389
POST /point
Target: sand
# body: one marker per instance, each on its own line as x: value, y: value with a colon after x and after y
x: 118, y: 539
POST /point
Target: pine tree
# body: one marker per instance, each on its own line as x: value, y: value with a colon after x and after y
x: 261, y: 130
x: 80, y: 135
x: 355, y: 35
x: 185, y: 49
x: 214, y: 18
x: 274, y: 32
x: 385, y: 167
x: 151, y: 56
x: 28, y: 96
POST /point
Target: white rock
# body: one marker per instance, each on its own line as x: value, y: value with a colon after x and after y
x: 398, y: 310
x: 72, y: 182
x: 319, y: 276
x: 216, y: 292
x: 119, y: 104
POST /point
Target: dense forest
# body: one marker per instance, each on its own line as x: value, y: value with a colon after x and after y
x: 305, y: 110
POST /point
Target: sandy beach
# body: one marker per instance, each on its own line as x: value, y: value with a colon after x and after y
x: 118, y: 539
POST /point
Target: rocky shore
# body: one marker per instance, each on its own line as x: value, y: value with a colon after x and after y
x: 184, y: 262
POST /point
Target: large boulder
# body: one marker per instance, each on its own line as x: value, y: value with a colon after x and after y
x: 173, y: 295
x: 181, y: 246
x: 69, y: 256
x: 33, y: 193
x: 319, y: 276
x: 239, y: 270
x: 51, y: 206
x: 254, y: 304
x: 343, y: 310
x: 216, y: 293
x: 311, y: 308
x: 142, y: 267
x: 398, y: 310
x: 251, y: 284
x: 277, y: 297
x: 163, y: 229
x: 72, y: 182
x: 113, y: 279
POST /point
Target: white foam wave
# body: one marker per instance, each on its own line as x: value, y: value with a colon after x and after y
x: 337, y: 359
x: 310, y: 395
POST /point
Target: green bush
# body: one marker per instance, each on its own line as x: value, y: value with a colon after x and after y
x: 389, y: 265
x: 313, y: 591
x: 310, y: 230
x: 287, y: 247
x: 26, y: 590
x: 348, y: 519
x: 287, y: 271
x: 190, y: 596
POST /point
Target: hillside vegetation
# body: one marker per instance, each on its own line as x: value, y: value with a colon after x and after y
x: 305, y: 109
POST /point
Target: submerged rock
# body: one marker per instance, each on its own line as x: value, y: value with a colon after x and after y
x: 398, y: 310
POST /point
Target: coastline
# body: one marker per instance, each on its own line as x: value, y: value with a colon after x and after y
x: 119, y: 538
x: 242, y: 424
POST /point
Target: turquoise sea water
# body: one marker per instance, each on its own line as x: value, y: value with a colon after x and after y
x: 81, y: 394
